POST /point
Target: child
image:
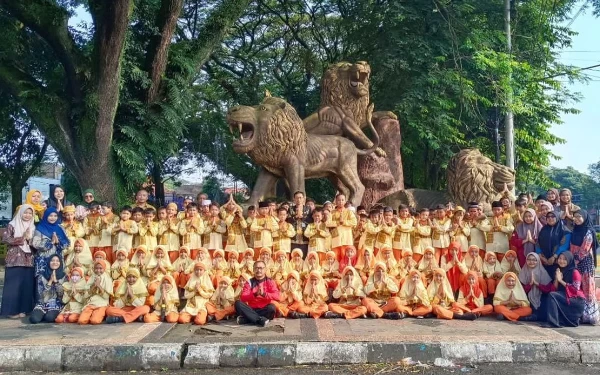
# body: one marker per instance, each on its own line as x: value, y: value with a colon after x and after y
x: 99, y: 290
x: 502, y: 228
x: 453, y: 265
x: 99, y: 256
x: 221, y: 305
x: 510, y: 263
x: 460, y: 230
x: 360, y: 229
x: 372, y: 229
x: 138, y: 261
x: 492, y: 271
x: 340, y: 224
x: 148, y: 229
x: 248, y: 234
x: 365, y: 266
x: 124, y: 230
x: 311, y: 263
x: 233, y: 266
x: 510, y: 300
x: 314, y: 297
x: 118, y: 270
x: 166, y: 302
x: 198, y: 291
x: 405, y: 265
x: 403, y: 232
x: 104, y: 227
x: 440, y: 228
x: 350, y: 293
x: 90, y: 226
x: 73, y: 295
x: 414, y: 300
x: 474, y: 263
x: 317, y: 234
x: 236, y: 228
x: 266, y: 256
x: 386, y: 256
x: 242, y: 280
x: 422, y: 235
x: 427, y: 264
x: 247, y: 265
x: 263, y: 227
x: 290, y: 296
x: 441, y: 297
x: 137, y: 215
x: 281, y: 268
x: 168, y: 230
x: 380, y: 290
x: 386, y: 234
x: 158, y: 267
x: 471, y: 297
x: 219, y: 266
x: 479, y: 227
x: 330, y: 269
x: 182, y: 263
x: 191, y: 229
x: 296, y: 263
x: 81, y: 257
x: 130, y: 300
x: 214, y: 229
x: 283, y: 235
x: 73, y: 228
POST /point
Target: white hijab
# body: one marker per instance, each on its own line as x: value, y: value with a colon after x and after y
x: 23, y: 228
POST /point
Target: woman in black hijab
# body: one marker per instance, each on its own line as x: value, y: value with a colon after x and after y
x: 553, y: 240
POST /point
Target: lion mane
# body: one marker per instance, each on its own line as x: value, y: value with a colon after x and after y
x: 473, y: 177
x: 336, y: 91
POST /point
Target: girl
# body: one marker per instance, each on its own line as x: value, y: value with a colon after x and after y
x: 191, y: 229
x: 182, y: 263
x: 118, y: 270
x: 470, y: 298
x: 566, y: 208
x: 130, y: 300
x: 537, y: 284
x: 73, y: 295
x: 414, y: 300
x: 242, y: 280
x: 281, y: 268
x: 19, y: 285
x: 49, y: 291
x: 427, y: 264
x: 314, y: 296
x: 166, y: 302
x: 526, y: 235
x: 296, y: 262
x: 48, y: 239
x: 104, y: 226
x: 350, y: 293
x: 290, y: 296
x: 80, y: 257
x: 247, y: 265
x: 73, y: 228
x: 330, y: 270
x: 198, y: 290
x: 441, y: 297
x: 584, y: 244
x: 365, y: 266
x: 233, y: 266
x: 454, y: 266
x: 138, y: 261
x: 405, y: 265
x: 510, y: 300
x: 219, y: 265
x: 492, y: 271
x: 510, y: 263
x: 158, y: 267
x: 221, y: 305
x: 567, y: 305
x: 386, y: 256
x: 99, y: 290
x: 474, y: 263
x: 554, y: 239
x: 349, y: 259
x: 422, y: 235
x: 380, y: 290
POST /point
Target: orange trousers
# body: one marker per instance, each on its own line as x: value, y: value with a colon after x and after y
x: 500, y: 256
x: 284, y: 308
x: 397, y: 254
x: 173, y: 255
x: 446, y: 312
x: 491, y: 285
x: 108, y: 250
x: 417, y: 257
x: 513, y: 314
x: 483, y: 285
x: 63, y: 318
x: 171, y: 317
x: 349, y: 311
x: 199, y: 319
x: 419, y: 310
x: 315, y: 310
x: 391, y: 305
x: 128, y: 313
x: 181, y: 278
x: 92, y: 315
x: 219, y: 314
x: 439, y: 253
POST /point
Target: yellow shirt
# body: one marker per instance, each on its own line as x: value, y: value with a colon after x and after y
x: 340, y: 224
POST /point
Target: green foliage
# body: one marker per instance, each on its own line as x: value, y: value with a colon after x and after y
x: 594, y: 170
x: 579, y: 184
x: 213, y: 188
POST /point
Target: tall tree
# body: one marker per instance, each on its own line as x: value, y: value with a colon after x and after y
x: 107, y: 96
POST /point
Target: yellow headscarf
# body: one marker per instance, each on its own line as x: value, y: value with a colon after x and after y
x: 219, y: 265
x: 410, y: 288
x: 229, y: 292
x: 85, y: 256
x: 124, y: 264
x: 138, y: 288
x: 361, y: 263
x: 204, y: 280
x: 80, y: 286
x: 357, y: 284
x: 425, y: 264
x: 166, y: 262
x: 321, y: 288
x: 388, y: 281
x: 391, y: 262
x: 503, y: 292
x: 434, y: 287
x: 106, y: 282
x: 473, y: 263
x: 307, y: 268
x: 135, y: 259
x: 172, y: 294
x: 37, y: 208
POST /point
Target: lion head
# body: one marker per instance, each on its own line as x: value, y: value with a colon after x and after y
x: 346, y: 85
x: 268, y: 131
x: 473, y: 177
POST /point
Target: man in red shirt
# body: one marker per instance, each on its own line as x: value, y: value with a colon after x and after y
x: 254, y: 306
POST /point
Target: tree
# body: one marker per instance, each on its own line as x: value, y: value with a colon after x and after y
x: 595, y: 171
x: 579, y: 183
x: 107, y: 96
x: 22, y: 148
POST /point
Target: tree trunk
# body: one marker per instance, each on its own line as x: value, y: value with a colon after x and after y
x: 102, y: 180
x: 16, y: 193
x: 159, y: 187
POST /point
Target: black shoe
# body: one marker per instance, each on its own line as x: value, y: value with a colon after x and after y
x: 140, y: 319
x: 500, y: 317
x: 262, y: 322
x: 332, y: 315
x: 373, y: 316
x: 210, y: 318
x: 293, y: 315
x: 393, y: 315
x: 529, y: 318
x: 465, y: 316
x: 429, y: 316
x: 242, y: 320
x: 302, y: 316
x: 114, y: 319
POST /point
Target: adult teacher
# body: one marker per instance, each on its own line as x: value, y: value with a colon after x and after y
x: 256, y: 300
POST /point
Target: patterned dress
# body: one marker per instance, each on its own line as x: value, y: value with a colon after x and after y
x: 584, y: 259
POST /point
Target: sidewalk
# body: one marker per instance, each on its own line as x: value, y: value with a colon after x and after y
x: 137, y: 346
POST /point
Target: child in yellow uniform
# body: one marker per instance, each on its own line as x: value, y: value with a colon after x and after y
x: 290, y: 296
x: 340, y: 224
x: 168, y: 231
x: 386, y: 234
x: 74, y: 292
x: 372, y: 229
x: 118, y: 270
x: 130, y: 300
x: 166, y: 302
x: 492, y: 272
x: 280, y: 268
x: 317, y: 234
x: 460, y: 229
x: 104, y: 227
x: 427, y: 264
x: 81, y: 256
x: 296, y: 263
x: 403, y: 232
x: 191, y: 229
x: 263, y: 227
x: 502, y: 229
x: 380, y: 291
x: 99, y: 290
x: 73, y: 228
x: 414, y: 300
x: 440, y: 232
x: 138, y: 261
x: 158, y: 267
x: 137, y: 215
x: 123, y: 230
x: 282, y: 237
x: 349, y: 292
x: 182, y: 263
x: 221, y: 303
x: 233, y: 266
x: 90, y: 226
x: 422, y: 235
x: 198, y: 291
x: 236, y: 229
x: 365, y: 266
x: 479, y: 227
x: 219, y: 266
x: 148, y: 229
x: 247, y: 264
x: 214, y: 230
x: 314, y: 297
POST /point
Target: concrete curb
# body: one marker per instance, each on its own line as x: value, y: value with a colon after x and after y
x: 279, y: 354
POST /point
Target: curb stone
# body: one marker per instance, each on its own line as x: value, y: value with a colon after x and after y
x: 280, y: 354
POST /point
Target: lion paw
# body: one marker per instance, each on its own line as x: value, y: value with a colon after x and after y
x: 379, y: 152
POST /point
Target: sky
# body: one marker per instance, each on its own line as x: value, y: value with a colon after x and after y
x: 581, y: 131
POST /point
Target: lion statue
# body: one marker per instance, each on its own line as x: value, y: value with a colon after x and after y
x: 273, y: 135
x: 473, y: 177
x: 345, y: 108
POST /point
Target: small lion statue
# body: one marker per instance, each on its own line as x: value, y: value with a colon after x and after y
x: 274, y: 137
x: 473, y: 177
x: 345, y: 109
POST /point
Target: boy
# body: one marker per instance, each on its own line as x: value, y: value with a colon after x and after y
x: 168, y: 230
x: 520, y: 208
x: 284, y: 233
x: 92, y: 236
x: 236, y: 228
x: 148, y: 229
x: 137, y: 215
x: 502, y: 228
x: 403, y: 232
x: 372, y: 229
x: 124, y: 230
x: 214, y: 229
x: 72, y: 227
x: 104, y: 227
x: 479, y: 226
x: 317, y: 234
x: 440, y: 232
x: 422, y: 234
x: 340, y: 224
x: 248, y: 234
x: 263, y: 227
x: 386, y: 235
x: 191, y: 229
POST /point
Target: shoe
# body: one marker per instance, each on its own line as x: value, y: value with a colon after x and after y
x: 114, y: 319
x: 419, y: 317
x: 529, y: 318
x: 292, y: 315
x: 429, y: 316
x: 373, y: 315
x: 500, y: 317
x: 263, y: 322
x: 465, y: 316
x: 302, y: 316
x: 331, y: 315
x: 210, y: 318
x: 140, y: 319
x: 392, y: 316
x: 242, y: 320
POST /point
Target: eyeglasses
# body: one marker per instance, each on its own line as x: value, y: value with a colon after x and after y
x: 259, y: 268
x: 88, y: 196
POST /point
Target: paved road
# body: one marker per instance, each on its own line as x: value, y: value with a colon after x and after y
x: 492, y: 369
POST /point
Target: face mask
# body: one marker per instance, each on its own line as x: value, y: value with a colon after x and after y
x: 75, y: 278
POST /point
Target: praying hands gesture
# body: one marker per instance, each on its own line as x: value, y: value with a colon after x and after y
x: 129, y: 293
x: 76, y: 260
x: 533, y: 281
x: 559, y: 275
x: 52, y: 278
x: 54, y: 238
x: 529, y: 237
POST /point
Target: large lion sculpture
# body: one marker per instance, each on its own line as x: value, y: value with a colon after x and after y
x: 273, y: 135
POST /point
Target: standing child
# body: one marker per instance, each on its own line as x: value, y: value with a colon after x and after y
x: 104, y: 227
x: 73, y: 228
x: 90, y: 226
x: 236, y: 228
x: 73, y: 295
x: 124, y: 230
x: 191, y: 228
x: 386, y: 234
x: 502, y: 228
x: 263, y: 227
x: 372, y: 229
x: 168, y: 230
x: 422, y: 235
x: 118, y: 270
x: 340, y: 224
x: 460, y: 229
x: 283, y: 235
x: 317, y: 234
x: 403, y: 232
x: 441, y: 227
x: 479, y: 227
x: 130, y: 300
x: 148, y: 229
x: 99, y: 291
x: 214, y: 229
x: 137, y: 215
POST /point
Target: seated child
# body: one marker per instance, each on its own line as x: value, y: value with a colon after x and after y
x: 280, y: 268
x: 198, y: 291
x: 314, y: 297
x: 350, y: 293
x: 380, y: 291
x: 221, y: 303
x: 81, y: 257
x: 510, y: 300
x: 492, y: 271
x: 158, y: 267
x: 99, y: 290
x: 130, y: 300
x: 510, y: 263
x: 296, y: 262
x: 474, y: 263
x: 290, y: 295
x: 365, y: 266
x: 73, y: 294
x: 414, y: 300
x: 118, y: 270
x: 166, y: 302
x: 182, y: 263
x: 471, y: 299
x: 427, y: 264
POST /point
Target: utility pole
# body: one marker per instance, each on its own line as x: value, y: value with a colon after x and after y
x: 508, y: 119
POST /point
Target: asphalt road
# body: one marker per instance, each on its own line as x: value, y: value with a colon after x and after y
x: 491, y: 369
